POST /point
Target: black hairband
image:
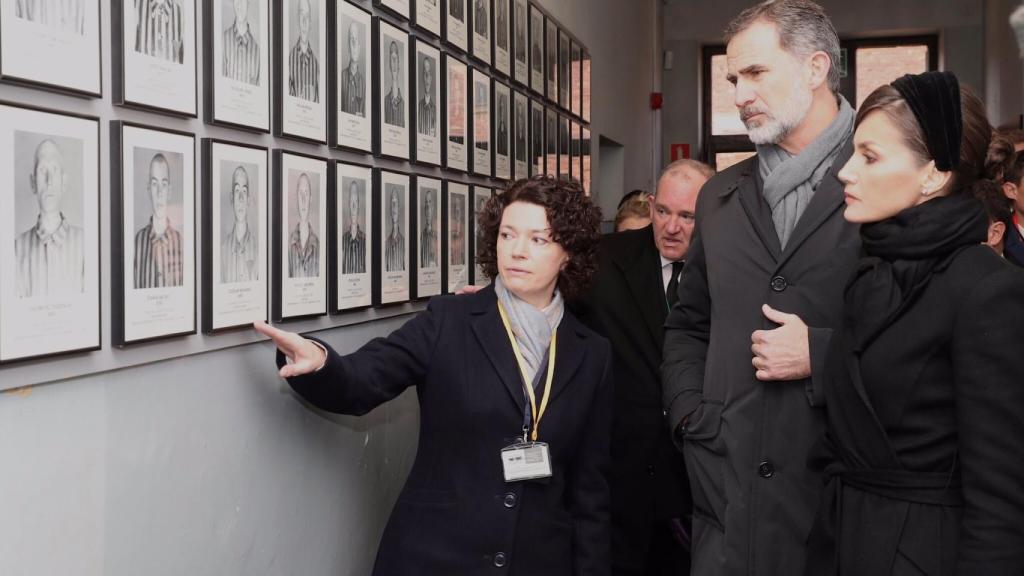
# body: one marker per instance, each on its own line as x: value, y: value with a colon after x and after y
x: 934, y: 98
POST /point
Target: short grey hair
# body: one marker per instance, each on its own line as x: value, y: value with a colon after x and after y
x: 803, y: 28
x: 675, y: 168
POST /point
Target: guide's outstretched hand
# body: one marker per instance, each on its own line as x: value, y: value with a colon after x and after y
x: 305, y: 357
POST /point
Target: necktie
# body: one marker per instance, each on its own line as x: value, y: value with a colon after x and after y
x: 672, y: 292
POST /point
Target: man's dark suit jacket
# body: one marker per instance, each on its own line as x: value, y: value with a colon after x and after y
x: 627, y: 305
x: 456, y: 515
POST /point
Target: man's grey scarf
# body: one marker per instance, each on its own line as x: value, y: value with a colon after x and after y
x: 790, y: 181
x: 531, y: 326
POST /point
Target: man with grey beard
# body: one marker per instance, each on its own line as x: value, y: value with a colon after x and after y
x: 762, y: 292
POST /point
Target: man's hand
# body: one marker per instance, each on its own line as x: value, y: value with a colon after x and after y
x: 783, y: 353
x: 469, y: 289
x: 306, y: 357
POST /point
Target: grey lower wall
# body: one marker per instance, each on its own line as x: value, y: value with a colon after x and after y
x: 191, y: 456
x: 690, y: 24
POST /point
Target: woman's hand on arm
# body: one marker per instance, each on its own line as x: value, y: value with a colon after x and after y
x: 304, y: 356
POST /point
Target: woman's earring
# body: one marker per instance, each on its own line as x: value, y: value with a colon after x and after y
x: 925, y: 191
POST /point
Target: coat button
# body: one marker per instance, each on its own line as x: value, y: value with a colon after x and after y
x: 779, y: 284
x: 650, y: 470
x: 766, y: 469
x: 499, y: 559
x: 510, y: 500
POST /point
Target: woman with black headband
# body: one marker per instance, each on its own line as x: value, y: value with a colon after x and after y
x: 925, y: 393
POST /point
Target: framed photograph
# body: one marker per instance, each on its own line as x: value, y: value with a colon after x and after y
x: 502, y: 134
x: 563, y: 147
x: 52, y: 45
x: 392, y: 80
x: 480, y: 16
x: 537, y: 142
x: 300, y: 225
x: 455, y: 30
x: 536, y: 50
x: 575, y: 152
x: 585, y: 159
x: 502, y: 48
x: 399, y: 8
x: 427, y: 224
x: 520, y: 136
x: 352, y: 237
x: 563, y: 70
x: 481, y: 194
x: 428, y: 103
x: 50, y: 247
x: 585, y: 89
x: 481, y: 123
x: 392, y: 279
x: 520, y: 43
x: 155, y: 55
x: 456, y: 125
x: 576, y: 81
x: 551, y: 142
x: 300, y: 62
x: 551, y: 60
x: 350, y: 103
x: 236, y: 59
x: 456, y: 240
x: 427, y: 16
x: 236, y: 210
x: 153, y: 233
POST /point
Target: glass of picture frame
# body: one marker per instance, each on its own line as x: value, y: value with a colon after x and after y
x: 537, y: 57
x: 585, y: 88
x: 455, y: 150
x: 426, y: 15
x: 563, y: 70
x: 520, y: 135
x: 537, y: 142
x: 153, y: 236
x: 502, y: 45
x: 236, y: 63
x: 427, y: 240
x: 520, y: 42
x: 155, y: 55
x: 299, y: 229
x: 480, y: 26
x: 399, y: 8
x: 300, y: 65
x: 426, y: 112
x: 392, y: 137
x: 563, y: 147
x: 456, y: 235
x: 50, y: 249
x: 576, y: 152
x: 481, y: 102
x: 454, y: 24
x: 551, y: 59
x: 235, y: 227
x: 352, y: 229
x: 502, y: 136
x: 392, y: 261
x: 56, y: 49
x: 576, y: 82
x: 551, y: 142
x: 350, y: 103
x: 480, y: 196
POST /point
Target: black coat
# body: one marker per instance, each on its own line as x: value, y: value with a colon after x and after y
x: 456, y: 515
x: 627, y: 305
x: 1013, y: 246
x: 925, y: 426
x: 748, y: 441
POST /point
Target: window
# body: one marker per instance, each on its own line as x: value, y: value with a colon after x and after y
x: 864, y: 66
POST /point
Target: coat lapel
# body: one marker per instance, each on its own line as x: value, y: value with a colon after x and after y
x: 490, y: 332
x: 643, y: 276
x: 570, y: 352
x: 756, y: 208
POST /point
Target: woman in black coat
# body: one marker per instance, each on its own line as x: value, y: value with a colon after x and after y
x: 461, y: 511
x: 925, y: 382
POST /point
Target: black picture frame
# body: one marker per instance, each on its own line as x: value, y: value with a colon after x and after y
x: 334, y: 139
x: 210, y: 72
x: 379, y: 239
x: 564, y: 45
x: 501, y: 65
x: 537, y: 54
x: 401, y: 151
x: 210, y: 242
x: 117, y: 237
x: 280, y: 82
x: 119, y: 77
x: 519, y: 44
x: 480, y: 50
x: 415, y: 242
x: 501, y: 164
x: 481, y: 161
x: 14, y: 79
x: 448, y: 187
x: 455, y: 164
x: 277, y: 212
x: 551, y: 141
x: 419, y: 21
x: 564, y: 145
x: 551, y: 60
x: 585, y: 103
x: 576, y: 81
x: 455, y: 32
x: 5, y: 360
x: 334, y: 228
x: 476, y: 191
x: 416, y: 154
x: 520, y: 135
x: 576, y: 151
x: 387, y: 7
x: 585, y: 174
x: 538, y: 144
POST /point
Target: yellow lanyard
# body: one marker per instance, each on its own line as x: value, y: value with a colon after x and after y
x: 522, y: 369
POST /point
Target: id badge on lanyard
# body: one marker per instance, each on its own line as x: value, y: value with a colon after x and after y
x: 529, y: 459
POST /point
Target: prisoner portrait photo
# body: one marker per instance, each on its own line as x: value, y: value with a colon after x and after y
x: 393, y: 78
x: 426, y: 88
x: 303, y: 224
x: 158, y: 212
x: 353, y: 212
x: 353, y: 77
x: 66, y: 16
x: 457, y: 241
x: 430, y: 223
x: 303, y: 62
x: 240, y: 47
x: 240, y: 217
x: 394, y: 213
x: 160, y: 29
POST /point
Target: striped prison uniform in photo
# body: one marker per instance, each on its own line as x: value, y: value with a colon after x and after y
x: 303, y: 261
x: 241, y: 61
x: 64, y: 15
x: 50, y: 263
x: 353, y: 252
x: 158, y: 259
x: 394, y: 252
x: 304, y: 73
x: 159, y: 29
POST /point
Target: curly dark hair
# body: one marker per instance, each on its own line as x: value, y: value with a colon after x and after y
x: 575, y: 225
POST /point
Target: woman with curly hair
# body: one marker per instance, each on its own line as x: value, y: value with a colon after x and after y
x: 515, y: 402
